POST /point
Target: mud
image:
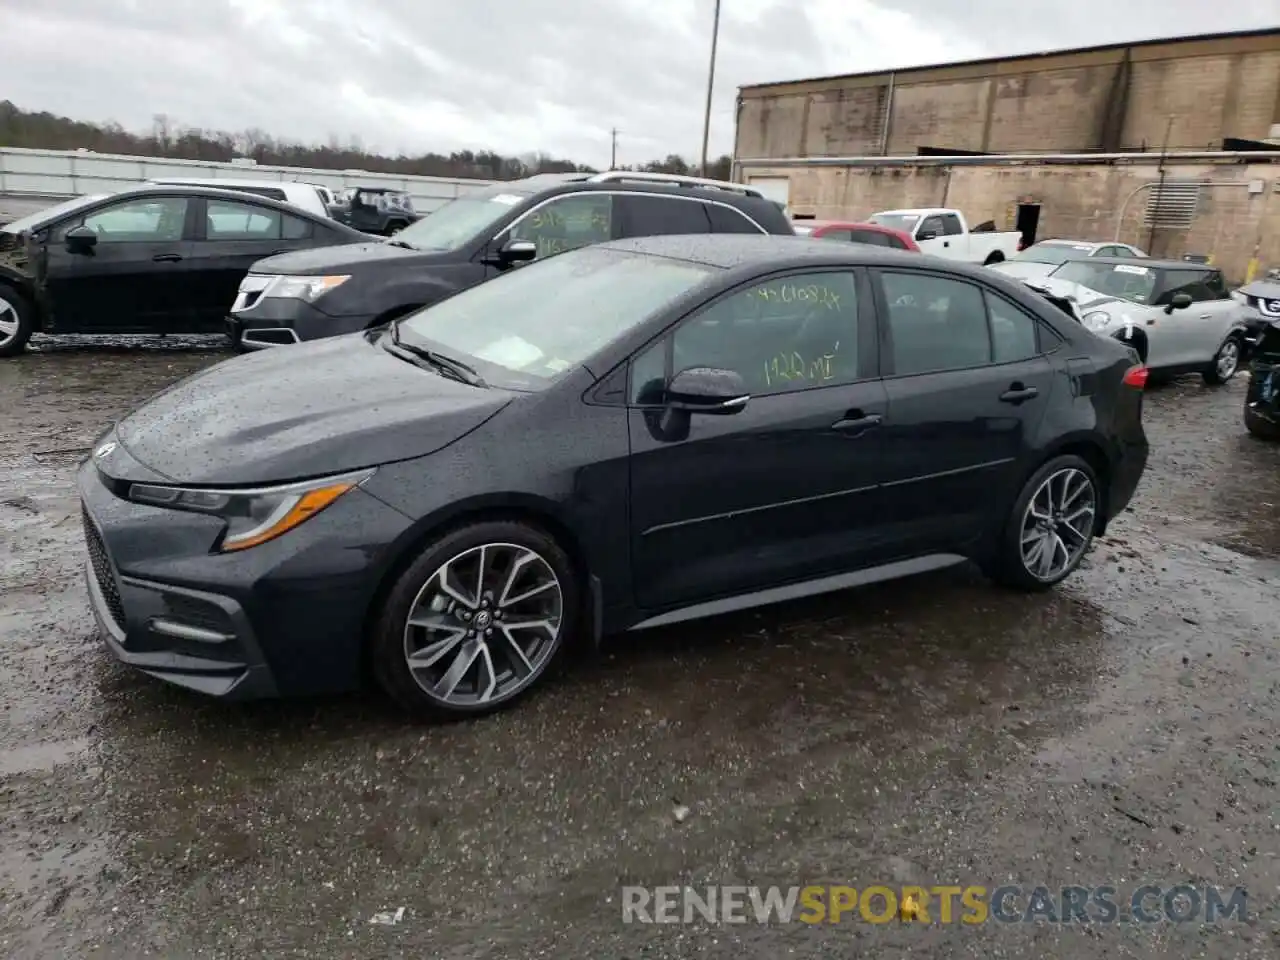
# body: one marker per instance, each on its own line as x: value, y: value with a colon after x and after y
x: 1118, y: 731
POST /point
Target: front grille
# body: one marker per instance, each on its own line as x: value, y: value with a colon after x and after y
x: 102, y: 569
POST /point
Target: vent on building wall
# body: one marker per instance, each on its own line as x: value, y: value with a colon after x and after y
x: 1172, y: 204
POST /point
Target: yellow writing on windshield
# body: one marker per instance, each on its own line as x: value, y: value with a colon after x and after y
x: 790, y: 366
x: 591, y: 217
x: 814, y: 294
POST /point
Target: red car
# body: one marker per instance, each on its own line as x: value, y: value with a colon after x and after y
x: 871, y: 233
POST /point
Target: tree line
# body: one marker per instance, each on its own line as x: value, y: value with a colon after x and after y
x: 47, y: 131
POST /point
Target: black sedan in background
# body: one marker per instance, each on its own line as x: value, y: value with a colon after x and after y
x: 150, y: 260
x: 617, y: 437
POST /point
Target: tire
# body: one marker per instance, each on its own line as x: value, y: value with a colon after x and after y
x: 417, y: 592
x: 993, y: 258
x: 1261, y: 427
x: 1226, y: 362
x: 1013, y: 566
x: 17, y: 321
x: 395, y: 226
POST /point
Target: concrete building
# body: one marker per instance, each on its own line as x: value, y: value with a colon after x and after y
x: 1054, y: 144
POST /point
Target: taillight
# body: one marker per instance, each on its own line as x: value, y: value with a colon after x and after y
x: 1136, y: 377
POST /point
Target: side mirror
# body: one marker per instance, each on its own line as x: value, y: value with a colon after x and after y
x: 1180, y: 301
x: 707, y: 390
x: 80, y: 239
x: 518, y: 251
x: 927, y: 235
x: 513, y: 252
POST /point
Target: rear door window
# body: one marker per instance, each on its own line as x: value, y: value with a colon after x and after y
x: 729, y: 220
x: 876, y: 239
x: 660, y: 216
x: 951, y: 225
x: 936, y: 323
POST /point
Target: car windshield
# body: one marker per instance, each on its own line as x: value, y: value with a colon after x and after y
x: 906, y: 222
x: 1125, y: 281
x: 458, y: 221
x: 1054, y: 252
x: 51, y: 213
x: 532, y: 324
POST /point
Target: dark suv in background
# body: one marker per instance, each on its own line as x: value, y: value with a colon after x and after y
x: 478, y: 236
x: 379, y: 210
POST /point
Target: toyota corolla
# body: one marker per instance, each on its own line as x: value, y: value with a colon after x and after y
x: 618, y: 437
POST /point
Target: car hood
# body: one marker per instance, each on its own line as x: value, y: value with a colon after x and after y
x: 323, y: 261
x: 301, y: 411
x: 1087, y: 299
x: 1024, y: 269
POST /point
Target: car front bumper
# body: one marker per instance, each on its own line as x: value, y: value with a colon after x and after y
x: 283, y: 618
x: 275, y: 322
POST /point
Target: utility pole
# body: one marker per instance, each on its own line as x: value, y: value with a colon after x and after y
x: 613, y: 152
x: 711, y: 82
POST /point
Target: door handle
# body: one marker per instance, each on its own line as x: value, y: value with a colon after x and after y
x: 1017, y: 393
x: 1206, y: 316
x: 167, y: 257
x: 946, y: 243
x: 855, y: 422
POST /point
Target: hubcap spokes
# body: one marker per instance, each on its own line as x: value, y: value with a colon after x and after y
x: 1058, y: 524
x: 1228, y: 358
x: 484, y: 625
x: 8, y: 321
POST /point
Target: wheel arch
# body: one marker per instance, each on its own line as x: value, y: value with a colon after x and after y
x: 537, y: 512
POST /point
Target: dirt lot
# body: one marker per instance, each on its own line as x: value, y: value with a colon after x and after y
x: 1119, y: 731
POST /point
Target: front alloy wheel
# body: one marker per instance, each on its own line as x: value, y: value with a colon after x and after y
x: 15, y: 323
x: 476, y: 620
x: 483, y: 625
x: 1225, y: 363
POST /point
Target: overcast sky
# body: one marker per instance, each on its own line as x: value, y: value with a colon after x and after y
x: 515, y: 76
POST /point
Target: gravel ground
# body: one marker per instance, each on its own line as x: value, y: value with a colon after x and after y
x: 1118, y: 731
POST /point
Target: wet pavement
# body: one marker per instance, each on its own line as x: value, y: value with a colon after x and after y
x: 1119, y: 731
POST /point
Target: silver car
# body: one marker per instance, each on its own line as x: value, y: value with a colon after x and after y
x: 1179, y: 316
x: 1041, y: 259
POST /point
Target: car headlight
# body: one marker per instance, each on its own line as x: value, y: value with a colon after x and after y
x: 252, y: 516
x: 1096, y: 320
x: 307, y: 289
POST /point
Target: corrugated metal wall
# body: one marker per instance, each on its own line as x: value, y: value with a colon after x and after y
x: 30, y: 179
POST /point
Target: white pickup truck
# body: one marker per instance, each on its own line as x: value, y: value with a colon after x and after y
x: 946, y: 233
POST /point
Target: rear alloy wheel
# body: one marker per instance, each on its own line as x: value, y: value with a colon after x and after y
x: 476, y: 621
x: 1225, y: 362
x: 1051, y: 525
x: 15, y: 322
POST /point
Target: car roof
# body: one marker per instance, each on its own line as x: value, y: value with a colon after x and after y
x: 1153, y: 263
x: 554, y: 183
x: 847, y: 224
x: 201, y: 181
x: 189, y: 190
x: 729, y: 251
